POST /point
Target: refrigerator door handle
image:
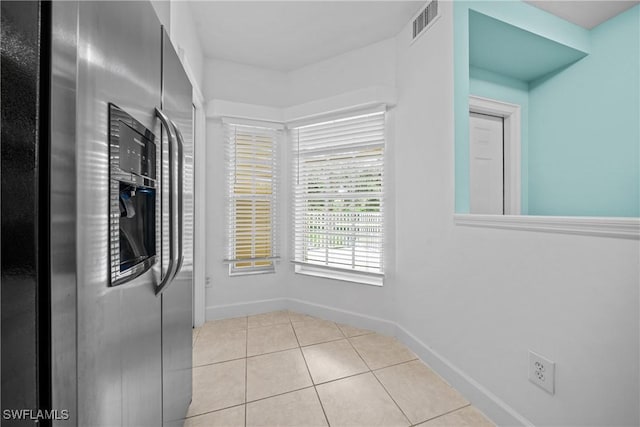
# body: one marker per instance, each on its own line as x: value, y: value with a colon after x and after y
x: 180, y: 161
x: 171, y: 136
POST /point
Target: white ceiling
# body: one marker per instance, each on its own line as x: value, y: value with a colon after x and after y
x: 286, y: 35
x: 587, y: 14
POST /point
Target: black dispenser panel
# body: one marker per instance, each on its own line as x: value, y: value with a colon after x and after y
x: 137, y: 153
x: 133, y: 166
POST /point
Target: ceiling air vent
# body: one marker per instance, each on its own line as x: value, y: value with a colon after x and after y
x: 425, y: 18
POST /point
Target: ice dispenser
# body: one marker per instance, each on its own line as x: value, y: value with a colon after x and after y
x: 133, y: 185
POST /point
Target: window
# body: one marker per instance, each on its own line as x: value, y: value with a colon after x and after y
x: 338, y: 175
x: 251, y: 198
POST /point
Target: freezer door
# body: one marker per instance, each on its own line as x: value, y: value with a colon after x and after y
x: 23, y: 278
x: 177, y: 298
x: 119, y: 339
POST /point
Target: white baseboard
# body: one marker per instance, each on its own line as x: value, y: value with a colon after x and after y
x: 248, y: 308
x: 495, y: 408
x: 487, y: 402
x: 352, y: 318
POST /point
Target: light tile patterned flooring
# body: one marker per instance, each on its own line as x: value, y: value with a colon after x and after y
x: 289, y: 369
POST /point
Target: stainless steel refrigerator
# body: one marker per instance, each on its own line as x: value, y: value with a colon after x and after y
x: 113, y: 269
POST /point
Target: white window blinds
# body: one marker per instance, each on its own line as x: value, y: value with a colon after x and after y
x: 252, y: 192
x: 338, y: 175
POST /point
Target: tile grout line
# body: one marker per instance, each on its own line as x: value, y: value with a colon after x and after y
x: 308, y: 387
x: 272, y: 352
x: 215, y: 410
x: 358, y: 353
x: 244, y: 357
x: 310, y: 376
x: 280, y: 394
x: 322, y: 342
x: 382, y: 367
x: 359, y: 373
x: 267, y: 352
x: 389, y: 394
x: 379, y: 382
x: 246, y: 330
x: 305, y: 388
x: 256, y: 355
x: 217, y: 363
x: 342, y: 378
x: 373, y: 371
x: 395, y: 364
x: 313, y: 384
x: 441, y: 415
x: 277, y: 351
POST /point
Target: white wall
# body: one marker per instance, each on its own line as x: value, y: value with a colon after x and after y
x: 185, y: 39
x: 372, y: 65
x: 478, y: 298
x: 235, y: 82
x: 231, y: 81
x: 369, y: 66
x: 481, y: 298
x: 223, y: 292
x: 162, y: 8
x: 377, y: 302
x: 177, y: 18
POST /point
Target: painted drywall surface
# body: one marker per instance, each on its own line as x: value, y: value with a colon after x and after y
x: 479, y: 297
x: 515, y: 13
x: 163, y: 10
x: 224, y: 290
x: 231, y: 81
x: 368, y: 300
x: 573, y: 173
x: 185, y: 39
x: 240, y: 83
x: 584, y: 134
x: 503, y: 48
x: 482, y: 298
x: 533, y: 20
x: 461, y: 105
x: 372, y: 65
x: 495, y: 86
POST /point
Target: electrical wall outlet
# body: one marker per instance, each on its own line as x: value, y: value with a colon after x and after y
x: 207, y: 282
x: 542, y: 372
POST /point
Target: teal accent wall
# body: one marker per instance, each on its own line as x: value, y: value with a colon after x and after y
x: 584, y: 153
x: 488, y: 84
x: 506, y: 49
x: 519, y: 14
x: 531, y: 19
x: 580, y: 158
x: 461, y: 104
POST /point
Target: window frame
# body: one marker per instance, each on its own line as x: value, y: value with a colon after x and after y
x: 232, y: 197
x: 328, y: 271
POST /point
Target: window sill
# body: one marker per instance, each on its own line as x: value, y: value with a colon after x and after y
x: 623, y: 227
x: 238, y: 273
x: 346, y: 276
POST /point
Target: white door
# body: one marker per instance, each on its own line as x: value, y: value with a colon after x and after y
x: 486, y: 169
